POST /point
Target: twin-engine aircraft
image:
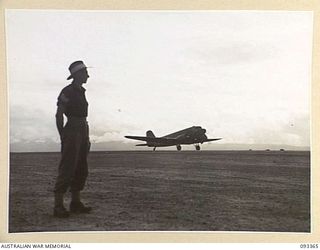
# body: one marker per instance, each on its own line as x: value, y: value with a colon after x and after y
x: 194, y: 135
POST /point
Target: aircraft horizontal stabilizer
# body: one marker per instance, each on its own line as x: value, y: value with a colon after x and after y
x: 216, y: 139
x: 151, y: 139
x: 140, y: 138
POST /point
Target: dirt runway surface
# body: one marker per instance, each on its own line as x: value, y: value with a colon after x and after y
x: 168, y: 191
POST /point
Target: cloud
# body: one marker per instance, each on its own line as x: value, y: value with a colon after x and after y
x: 31, y: 124
x: 294, y: 132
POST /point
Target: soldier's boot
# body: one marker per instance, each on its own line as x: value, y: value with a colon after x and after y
x: 76, y: 206
x: 59, y: 209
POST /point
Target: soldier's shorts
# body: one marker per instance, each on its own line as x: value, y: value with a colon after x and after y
x: 73, y: 167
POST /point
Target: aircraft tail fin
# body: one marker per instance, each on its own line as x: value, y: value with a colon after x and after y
x: 150, y: 134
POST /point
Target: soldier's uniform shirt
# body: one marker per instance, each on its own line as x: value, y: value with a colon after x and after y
x: 73, y: 98
x: 73, y: 167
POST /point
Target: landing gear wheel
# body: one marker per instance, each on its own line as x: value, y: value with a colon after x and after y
x: 179, y: 147
x: 154, y: 149
x: 197, y: 147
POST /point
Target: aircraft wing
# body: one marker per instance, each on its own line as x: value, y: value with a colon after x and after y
x: 151, y: 139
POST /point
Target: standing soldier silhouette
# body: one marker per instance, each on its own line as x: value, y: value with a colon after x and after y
x: 75, y: 143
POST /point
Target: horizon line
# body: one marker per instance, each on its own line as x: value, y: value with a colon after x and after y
x: 168, y: 150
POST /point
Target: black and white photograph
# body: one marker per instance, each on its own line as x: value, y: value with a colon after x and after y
x: 160, y: 121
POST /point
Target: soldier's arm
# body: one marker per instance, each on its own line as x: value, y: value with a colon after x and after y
x: 62, y: 102
x: 59, y: 118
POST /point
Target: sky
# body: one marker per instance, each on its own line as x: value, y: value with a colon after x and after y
x: 244, y: 76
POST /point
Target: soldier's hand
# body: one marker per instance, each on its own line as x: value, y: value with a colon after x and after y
x: 61, y: 140
x: 61, y: 137
x: 89, y: 145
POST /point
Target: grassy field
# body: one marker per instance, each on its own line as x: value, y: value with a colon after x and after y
x: 168, y: 191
